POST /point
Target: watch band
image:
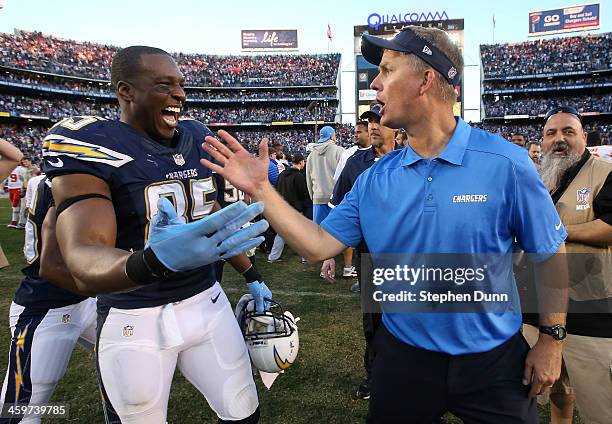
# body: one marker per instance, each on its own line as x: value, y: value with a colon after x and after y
x: 557, y: 332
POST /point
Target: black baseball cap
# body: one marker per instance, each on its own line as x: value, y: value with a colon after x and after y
x: 407, y: 41
x: 373, y: 113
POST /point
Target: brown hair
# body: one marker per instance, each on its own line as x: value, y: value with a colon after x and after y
x: 442, y: 41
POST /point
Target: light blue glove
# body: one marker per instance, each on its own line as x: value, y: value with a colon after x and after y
x: 262, y: 295
x: 186, y: 246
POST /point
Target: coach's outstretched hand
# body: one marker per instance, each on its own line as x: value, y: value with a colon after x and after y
x: 183, y: 247
x: 235, y: 164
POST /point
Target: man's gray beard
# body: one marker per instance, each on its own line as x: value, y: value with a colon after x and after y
x: 553, y: 167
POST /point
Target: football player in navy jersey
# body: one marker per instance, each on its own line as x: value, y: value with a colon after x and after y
x: 134, y: 225
x: 44, y: 319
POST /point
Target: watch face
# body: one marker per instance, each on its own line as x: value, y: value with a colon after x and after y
x: 559, y: 332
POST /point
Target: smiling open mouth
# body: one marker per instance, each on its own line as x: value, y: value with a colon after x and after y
x: 170, y: 114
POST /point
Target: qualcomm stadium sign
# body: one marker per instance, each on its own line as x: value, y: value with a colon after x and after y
x: 375, y: 19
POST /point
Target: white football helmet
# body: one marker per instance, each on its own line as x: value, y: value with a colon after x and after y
x: 271, y: 336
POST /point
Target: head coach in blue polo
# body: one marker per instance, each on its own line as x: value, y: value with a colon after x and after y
x: 455, y: 189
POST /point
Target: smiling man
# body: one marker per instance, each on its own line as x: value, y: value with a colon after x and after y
x: 476, y: 365
x: 581, y: 188
x: 134, y: 226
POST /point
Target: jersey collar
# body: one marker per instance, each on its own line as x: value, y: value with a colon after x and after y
x: 452, y: 153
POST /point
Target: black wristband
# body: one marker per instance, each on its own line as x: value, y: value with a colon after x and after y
x: 143, y: 267
x: 158, y: 269
x: 136, y: 269
x: 252, y: 274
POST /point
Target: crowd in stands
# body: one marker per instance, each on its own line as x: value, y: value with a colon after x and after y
x: 533, y: 132
x: 294, y: 141
x: 534, y: 106
x: 55, y: 109
x: 553, y: 85
x: 29, y: 138
x: 557, y: 55
x: 238, y: 96
x: 35, y: 51
x: 58, y: 109
x: 100, y: 88
x: 44, y: 83
x: 245, y: 114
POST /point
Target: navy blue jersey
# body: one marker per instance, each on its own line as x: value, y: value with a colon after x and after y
x: 355, y: 165
x: 227, y: 193
x: 36, y: 292
x: 139, y: 171
x: 361, y: 160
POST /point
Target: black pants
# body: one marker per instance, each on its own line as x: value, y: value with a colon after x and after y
x: 412, y: 385
x: 371, y: 321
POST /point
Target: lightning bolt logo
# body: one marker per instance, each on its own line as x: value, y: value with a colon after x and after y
x: 59, y: 145
x: 19, y: 347
x: 283, y: 365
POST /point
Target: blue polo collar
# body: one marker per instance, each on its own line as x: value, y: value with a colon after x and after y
x: 454, y: 151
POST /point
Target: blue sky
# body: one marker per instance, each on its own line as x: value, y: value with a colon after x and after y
x: 214, y: 27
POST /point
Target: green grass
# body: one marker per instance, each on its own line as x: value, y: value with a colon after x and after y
x: 317, y: 389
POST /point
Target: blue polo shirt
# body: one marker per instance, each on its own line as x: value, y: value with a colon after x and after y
x: 478, y: 196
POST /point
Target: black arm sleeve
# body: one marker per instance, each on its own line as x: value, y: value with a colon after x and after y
x: 602, y: 204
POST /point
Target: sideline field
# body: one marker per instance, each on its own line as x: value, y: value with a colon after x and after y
x: 317, y: 389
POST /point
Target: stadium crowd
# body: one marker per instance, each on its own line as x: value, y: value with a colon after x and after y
x: 28, y: 139
x: 292, y: 141
x: 557, y: 55
x: 89, y: 88
x: 55, y: 109
x: 552, y: 85
x: 534, y: 106
x: 533, y: 132
x: 36, y: 51
x: 58, y: 109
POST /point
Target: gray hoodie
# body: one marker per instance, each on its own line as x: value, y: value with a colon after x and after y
x: 320, y: 167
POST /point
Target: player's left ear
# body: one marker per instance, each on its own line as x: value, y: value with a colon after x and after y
x: 125, y: 91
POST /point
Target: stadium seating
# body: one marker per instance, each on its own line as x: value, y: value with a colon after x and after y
x: 242, y: 93
x: 522, y: 81
x: 245, y: 94
x: 533, y: 132
x: 58, y: 109
x: 35, y: 51
x: 558, y: 55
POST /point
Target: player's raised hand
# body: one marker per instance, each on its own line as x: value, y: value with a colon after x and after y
x: 236, y: 165
x: 183, y: 247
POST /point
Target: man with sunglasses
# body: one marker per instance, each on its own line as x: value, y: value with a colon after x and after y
x: 453, y: 189
x: 581, y: 188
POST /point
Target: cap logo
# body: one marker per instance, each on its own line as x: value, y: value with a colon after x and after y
x: 427, y: 51
x: 452, y: 72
